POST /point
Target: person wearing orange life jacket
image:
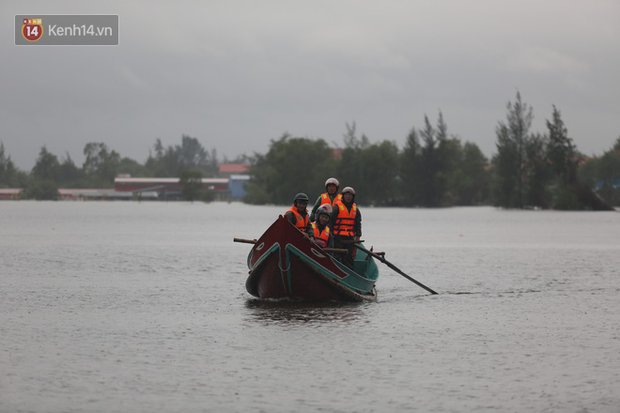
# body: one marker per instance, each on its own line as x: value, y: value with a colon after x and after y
x: 331, y: 186
x: 298, y: 214
x: 346, y: 225
x: 322, y: 232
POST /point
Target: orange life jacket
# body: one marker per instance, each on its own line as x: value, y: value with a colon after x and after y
x: 345, y: 221
x: 326, y: 200
x: 321, y: 238
x: 301, y: 221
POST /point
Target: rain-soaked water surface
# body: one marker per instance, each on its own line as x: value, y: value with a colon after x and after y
x: 141, y: 307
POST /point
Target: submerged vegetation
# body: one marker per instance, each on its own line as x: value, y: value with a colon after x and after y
x: 433, y: 169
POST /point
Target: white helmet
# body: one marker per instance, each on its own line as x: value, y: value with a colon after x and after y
x: 349, y: 190
x: 332, y: 181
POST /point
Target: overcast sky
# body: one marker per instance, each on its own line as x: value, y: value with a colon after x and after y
x: 236, y: 74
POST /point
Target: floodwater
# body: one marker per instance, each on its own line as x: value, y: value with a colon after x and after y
x: 141, y: 307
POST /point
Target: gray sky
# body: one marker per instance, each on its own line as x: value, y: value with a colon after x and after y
x: 236, y: 74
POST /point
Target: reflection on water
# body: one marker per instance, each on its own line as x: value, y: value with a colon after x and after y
x: 303, y: 312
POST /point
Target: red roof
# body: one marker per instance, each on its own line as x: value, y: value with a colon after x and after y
x: 234, y: 168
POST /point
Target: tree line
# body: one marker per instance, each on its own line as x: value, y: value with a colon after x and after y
x: 436, y: 169
x: 433, y: 169
x: 186, y: 160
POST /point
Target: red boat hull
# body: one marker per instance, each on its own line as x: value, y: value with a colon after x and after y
x: 285, y: 264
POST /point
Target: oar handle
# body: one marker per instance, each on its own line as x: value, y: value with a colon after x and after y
x: 343, y: 250
x: 245, y: 241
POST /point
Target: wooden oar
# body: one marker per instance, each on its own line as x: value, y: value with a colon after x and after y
x: 253, y: 241
x: 246, y: 241
x: 392, y: 266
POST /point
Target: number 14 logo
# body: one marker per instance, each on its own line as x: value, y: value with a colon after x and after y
x: 32, y: 29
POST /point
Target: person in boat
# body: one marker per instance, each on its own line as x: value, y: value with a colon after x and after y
x: 322, y: 232
x: 346, y: 226
x: 298, y: 214
x: 329, y: 197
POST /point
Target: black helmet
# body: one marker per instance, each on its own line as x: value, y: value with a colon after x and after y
x: 300, y: 197
x: 325, y: 209
x: 333, y: 181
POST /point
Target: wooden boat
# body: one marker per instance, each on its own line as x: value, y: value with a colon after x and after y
x: 284, y: 264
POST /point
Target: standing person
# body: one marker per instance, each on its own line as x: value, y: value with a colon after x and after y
x: 322, y: 232
x: 346, y: 225
x: 331, y: 186
x: 298, y: 214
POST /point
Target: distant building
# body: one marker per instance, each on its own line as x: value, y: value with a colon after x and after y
x: 237, y: 186
x: 168, y: 188
x: 93, y: 195
x: 228, y: 169
x: 10, y: 193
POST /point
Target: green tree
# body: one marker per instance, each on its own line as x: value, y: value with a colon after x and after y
x: 192, y: 155
x: 291, y: 165
x: 159, y: 148
x: 410, y: 169
x: 243, y: 158
x: 563, y: 158
x: 601, y: 174
x: 70, y: 175
x: 608, y: 185
x: 101, y: 164
x: 154, y: 164
x: 537, y: 172
x: 47, y: 166
x: 352, y: 141
x: 10, y: 176
x: 511, y: 154
x: 189, y: 155
x: 350, y: 168
x: 451, y: 153
x: 429, y: 162
x: 257, y: 191
x: 169, y: 165
x: 377, y: 182
x: 372, y: 170
x: 587, y: 172
x: 433, y: 170
x: 131, y: 167
x: 463, y: 173
x: 42, y: 190
x: 191, y: 180
x: 561, y: 151
x: 473, y: 186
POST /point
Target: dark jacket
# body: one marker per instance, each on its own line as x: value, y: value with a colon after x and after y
x: 319, y: 202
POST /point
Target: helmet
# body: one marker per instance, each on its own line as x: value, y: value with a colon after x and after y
x: 300, y: 197
x: 333, y: 181
x: 325, y: 209
x: 348, y: 190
